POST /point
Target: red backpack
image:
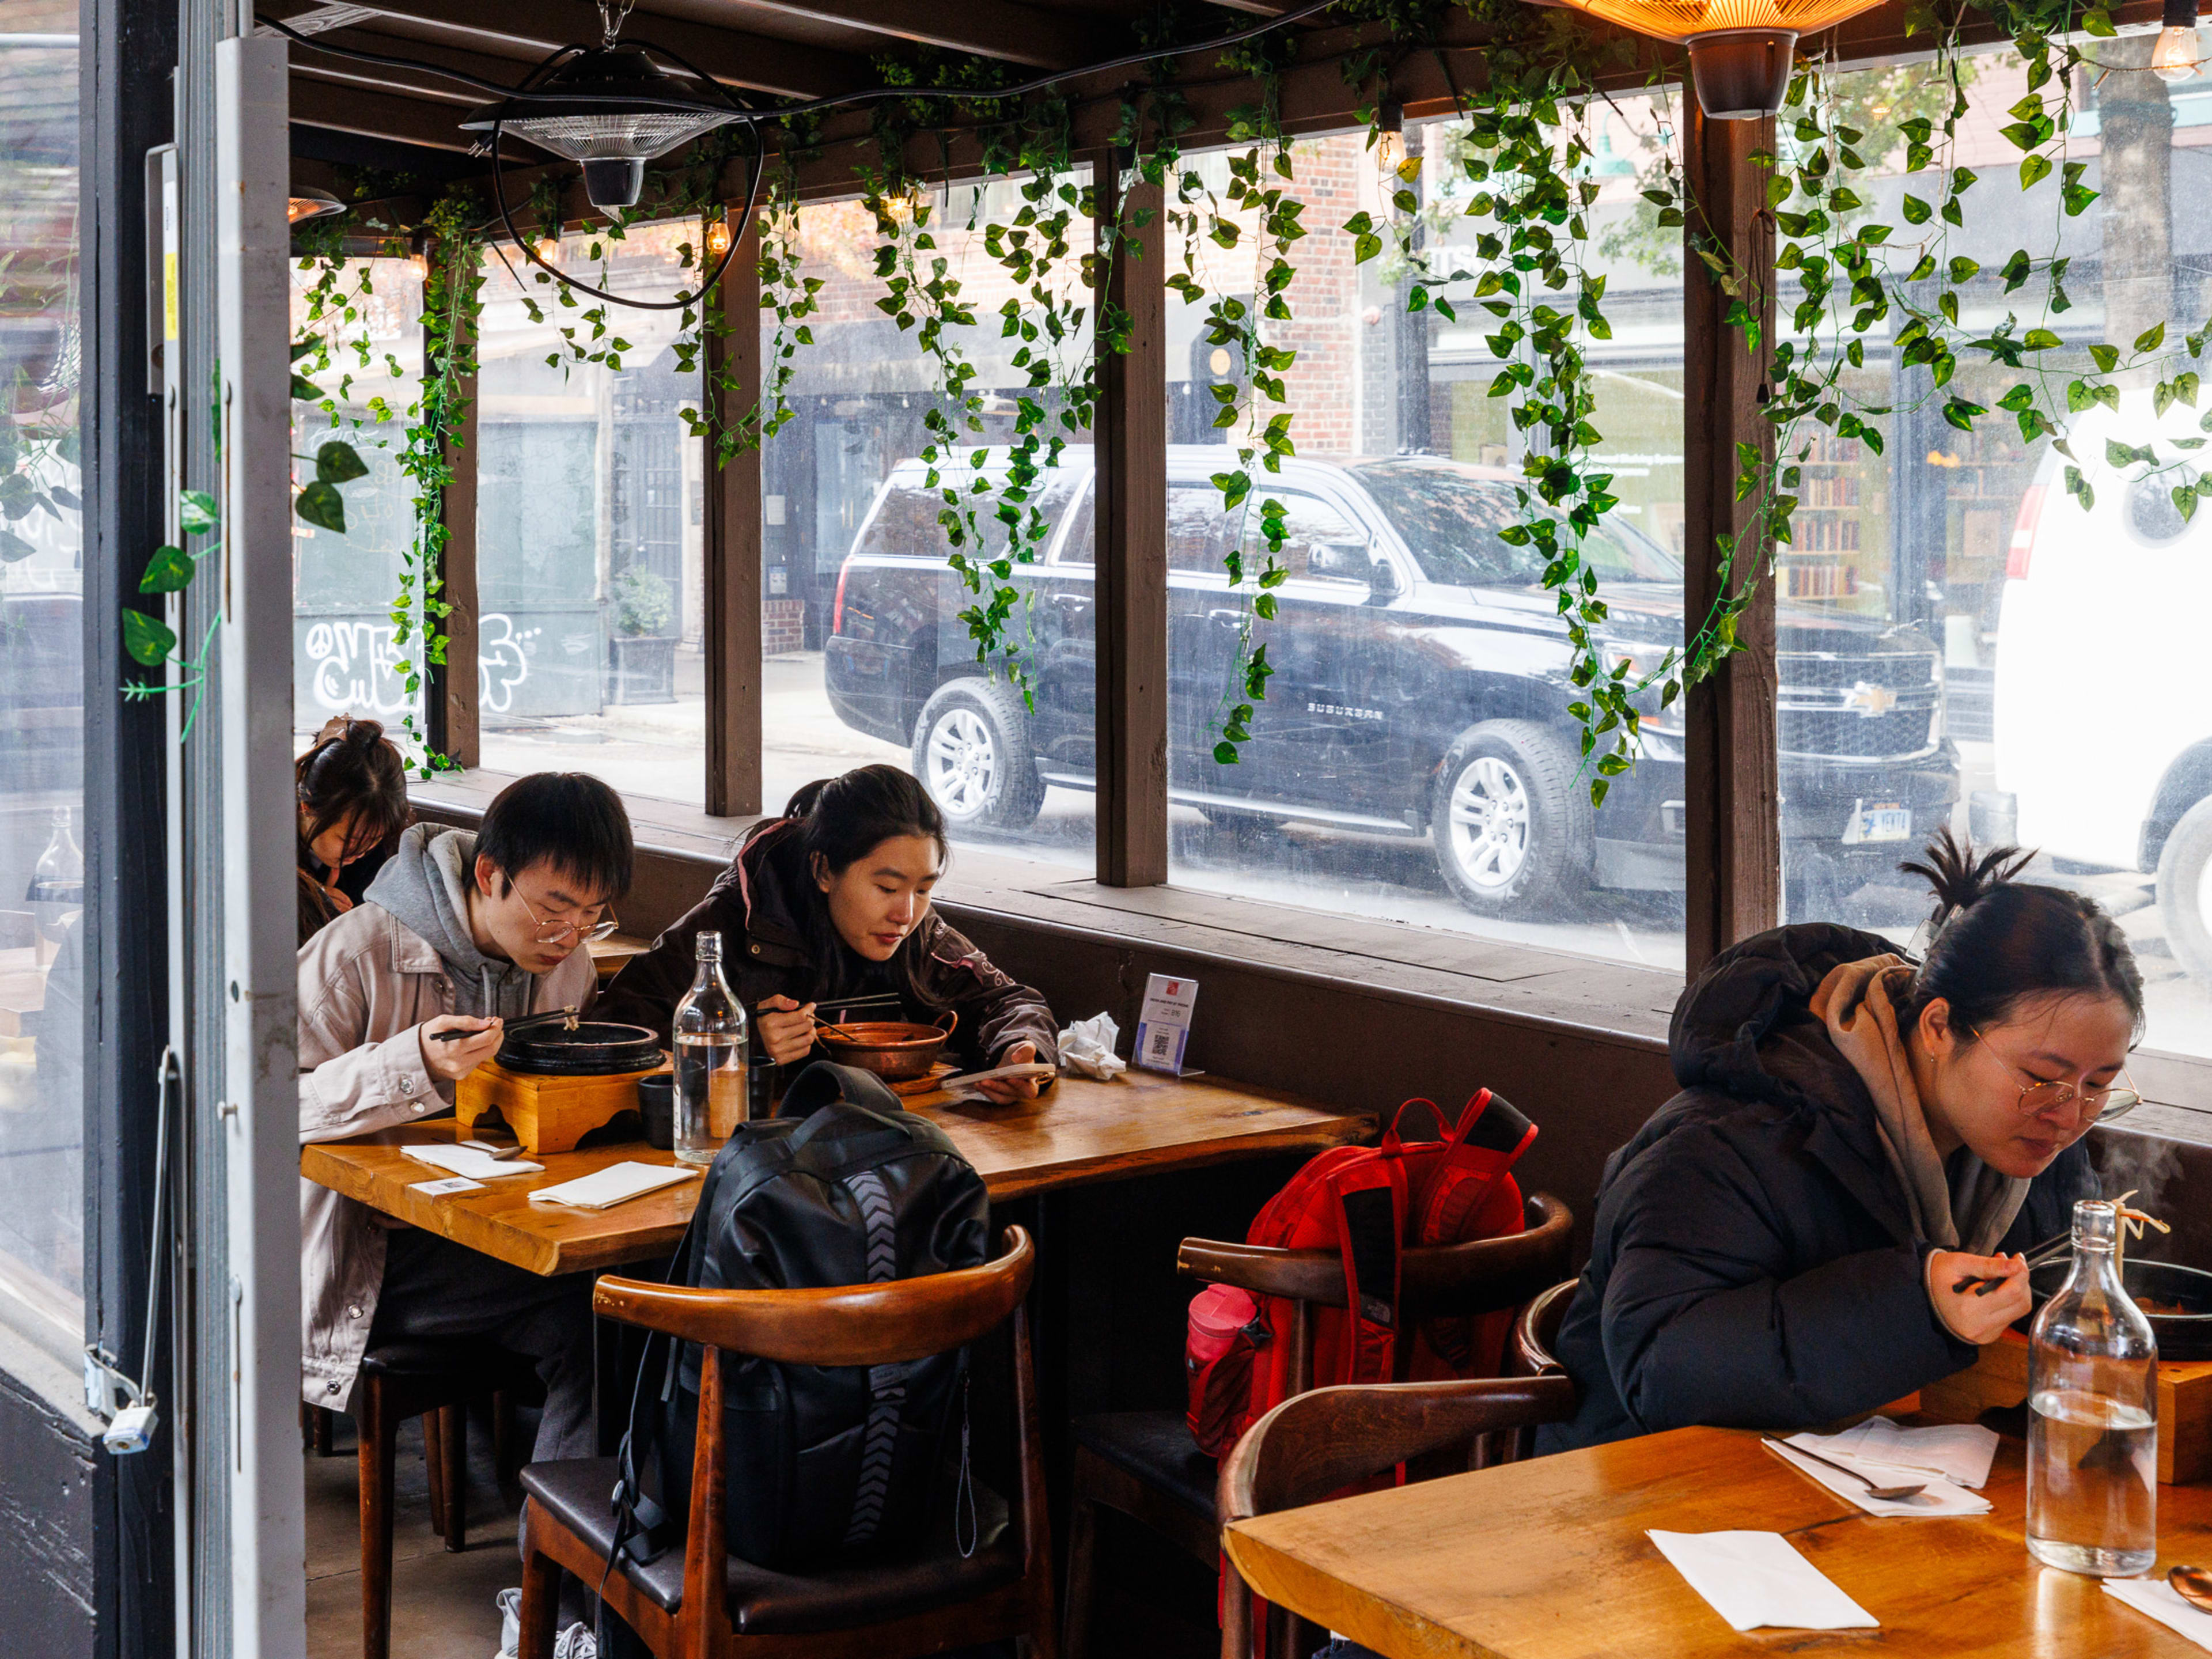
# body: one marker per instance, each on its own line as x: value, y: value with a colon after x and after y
x: 1367, y: 1203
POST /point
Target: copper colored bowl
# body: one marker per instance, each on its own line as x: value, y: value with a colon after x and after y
x: 893, y: 1050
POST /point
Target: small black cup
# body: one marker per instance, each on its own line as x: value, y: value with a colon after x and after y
x: 656, y: 1104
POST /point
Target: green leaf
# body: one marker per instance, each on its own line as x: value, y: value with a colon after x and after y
x: 148, y: 639
x: 1915, y: 211
x: 14, y: 547
x: 2107, y: 357
x: 2151, y: 338
x: 337, y: 462
x: 2034, y: 169
x: 169, y: 569
x: 1225, y: 752
x: 321, y: 506
x: 195, y: 512
x: 2040, y: 339
x: 1960, y: 414
x: 305, y: 390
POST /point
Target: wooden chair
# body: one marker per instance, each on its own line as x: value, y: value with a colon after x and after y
x: 1143, y: 1464
x: 1536, y: 1333
x: 703, y: 1602
x: 1321, y: 1442
x: 434, y: 1381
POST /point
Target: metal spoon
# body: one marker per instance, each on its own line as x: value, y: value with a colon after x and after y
x: 1889, y: 1494
x: 2193, y: 1585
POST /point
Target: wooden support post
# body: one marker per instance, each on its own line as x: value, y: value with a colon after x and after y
x: 733, y: 544
x: 453, y: 727
x: 1734, y: 840
x: 1131, y: 518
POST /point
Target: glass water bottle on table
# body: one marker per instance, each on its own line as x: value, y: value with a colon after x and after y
x: 712, y: 1039
x: 2093, y: 1415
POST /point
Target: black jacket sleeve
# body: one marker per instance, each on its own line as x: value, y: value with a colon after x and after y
x: 1699, y: 1326
x: 996, y: 1013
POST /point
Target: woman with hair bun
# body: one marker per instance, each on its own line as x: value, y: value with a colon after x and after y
x: 831, y: 902
x: 352, y: 790
x: 1856, y: 1133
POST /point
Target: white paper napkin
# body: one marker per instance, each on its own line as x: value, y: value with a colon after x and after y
x: 1937, y: 1496
x: 2156, y: 1597
x: 1960, y: 1452
x: 616, y: 1184
x: 1087, y: 1047
x: 1754, y: 1578
x: 468, y: 1161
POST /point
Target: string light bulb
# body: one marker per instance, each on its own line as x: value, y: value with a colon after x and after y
x: 718, y: 236
x: 548, y: 248
x: 1389, y: 139
x: 2173, y: 59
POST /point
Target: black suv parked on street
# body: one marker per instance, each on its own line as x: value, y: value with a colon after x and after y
x: 1419, y: 689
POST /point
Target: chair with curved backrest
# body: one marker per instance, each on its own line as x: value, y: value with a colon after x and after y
x: 1144, y: 1465
x: 1318, y: 1443
x: 701, y: 1603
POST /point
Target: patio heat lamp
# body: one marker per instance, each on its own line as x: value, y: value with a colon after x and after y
x: 1740, y: 49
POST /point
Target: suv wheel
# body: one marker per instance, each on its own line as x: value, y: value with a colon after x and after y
x: 2184, y: 889
x: 1513, y: 833
x: 971, y: 752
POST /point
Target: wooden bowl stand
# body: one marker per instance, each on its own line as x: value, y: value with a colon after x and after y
x: 547, y: 1114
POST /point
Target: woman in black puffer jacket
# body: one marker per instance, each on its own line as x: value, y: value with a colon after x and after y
x: 1776, y: 1248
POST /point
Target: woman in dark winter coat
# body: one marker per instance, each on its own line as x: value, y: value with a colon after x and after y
x: 829, y: 902
x: 1778, y: 1247
x: 352, y: 790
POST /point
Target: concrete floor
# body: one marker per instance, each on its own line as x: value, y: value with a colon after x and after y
x: 441, y: 1605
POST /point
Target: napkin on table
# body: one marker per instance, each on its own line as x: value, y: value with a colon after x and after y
x: 468, y: 1161
x: 1939, y: 1498
x: 2156, y: 1598
x: 1754, y: 1578
x: 616, y: 1184
x: 1087, y: 1047
x: 1960, y: 1452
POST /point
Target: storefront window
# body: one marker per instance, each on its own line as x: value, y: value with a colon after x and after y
x: 1413, y: 759
x: 42, y: 892
x: 590, y: 516
x: 866, y: 658
x: 2023, y: 664
x: 345, y: 648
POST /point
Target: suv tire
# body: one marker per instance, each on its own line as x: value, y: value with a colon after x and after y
x: 1514, y: 835
x: 2185, y: 885
x: 971, y: 752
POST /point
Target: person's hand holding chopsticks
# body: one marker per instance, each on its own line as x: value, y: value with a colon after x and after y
x: 787, y: 1030
x: 476, y: 1039
x: 1994, y: 1293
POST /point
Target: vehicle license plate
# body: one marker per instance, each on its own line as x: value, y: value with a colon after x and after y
x: 1885, y: 821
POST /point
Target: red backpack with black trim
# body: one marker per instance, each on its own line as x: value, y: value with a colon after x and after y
x: 1368, y: 1203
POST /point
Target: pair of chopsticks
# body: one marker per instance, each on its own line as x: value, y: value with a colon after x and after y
x: 2044, y: 1254
x: 565, y: 1016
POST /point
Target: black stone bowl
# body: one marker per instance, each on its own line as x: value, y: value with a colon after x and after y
x: 594, y: 1049
x: 2182, y: 1298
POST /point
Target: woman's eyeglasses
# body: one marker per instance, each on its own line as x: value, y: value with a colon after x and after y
x: 557, y: 932
x: 2097, y: 1105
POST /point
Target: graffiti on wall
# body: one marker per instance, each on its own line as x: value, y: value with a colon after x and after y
x: 352, y: 665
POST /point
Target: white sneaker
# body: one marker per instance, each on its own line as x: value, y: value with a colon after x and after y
x: 579, y: 1641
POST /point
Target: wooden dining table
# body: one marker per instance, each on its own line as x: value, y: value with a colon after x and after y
x: 1078, y: 1131
x: 1548, y: 1559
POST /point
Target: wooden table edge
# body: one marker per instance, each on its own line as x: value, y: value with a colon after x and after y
x: 1341, y: 1129
x: 1393, y: 1630
x: 545, y: 1256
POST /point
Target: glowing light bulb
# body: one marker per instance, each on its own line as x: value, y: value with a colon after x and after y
x: 1389, y: 140
x: 548, y: 248
x: 2173, y: 59
x: 718, y: 237
x: 421, y: 261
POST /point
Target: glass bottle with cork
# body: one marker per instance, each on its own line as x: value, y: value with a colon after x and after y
x: 2092, y: 1414
x: 712, y: 1039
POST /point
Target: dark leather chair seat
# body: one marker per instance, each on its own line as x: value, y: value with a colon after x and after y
x: 1155, y: 1447
x: 575, y: 1492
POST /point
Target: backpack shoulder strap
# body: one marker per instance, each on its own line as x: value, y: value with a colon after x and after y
x: 1370, y: 1201
x: 1488, y: 1140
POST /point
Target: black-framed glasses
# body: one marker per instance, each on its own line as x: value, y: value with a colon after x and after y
x: 557, y: 932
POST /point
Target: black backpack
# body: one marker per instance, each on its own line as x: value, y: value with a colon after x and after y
x: 824, y: 1463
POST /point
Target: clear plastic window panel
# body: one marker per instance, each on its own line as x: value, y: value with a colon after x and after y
x: 590, y: 521
x: 1413, y: 760
x: 866, y: 657
x: 42, y: 886
x: 1963, y: 641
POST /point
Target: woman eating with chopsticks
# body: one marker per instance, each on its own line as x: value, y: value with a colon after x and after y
x: 1831, y: 1213
x: 825, y: 913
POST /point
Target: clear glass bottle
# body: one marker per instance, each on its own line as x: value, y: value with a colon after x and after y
x: 2093, y: 1415
x: 712, y: 1038
x: 58, y: 878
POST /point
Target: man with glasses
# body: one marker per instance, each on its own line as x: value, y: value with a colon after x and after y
x: 401, y: 998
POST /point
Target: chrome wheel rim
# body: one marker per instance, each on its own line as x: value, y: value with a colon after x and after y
x: 1488, y: 823
x: 964, y: 762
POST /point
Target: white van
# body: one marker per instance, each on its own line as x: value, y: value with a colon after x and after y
x: 2103, y: 728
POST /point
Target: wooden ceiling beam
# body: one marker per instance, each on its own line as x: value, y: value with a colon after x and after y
x: 377, y: 113
x: 988, y: 29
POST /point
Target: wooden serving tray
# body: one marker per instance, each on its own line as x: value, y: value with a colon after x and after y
x: 547, y: 1114
x: 1999, y: 1380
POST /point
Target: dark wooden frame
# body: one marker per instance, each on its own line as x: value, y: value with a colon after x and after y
x: 876, y: 1324
x: 732, y: 523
